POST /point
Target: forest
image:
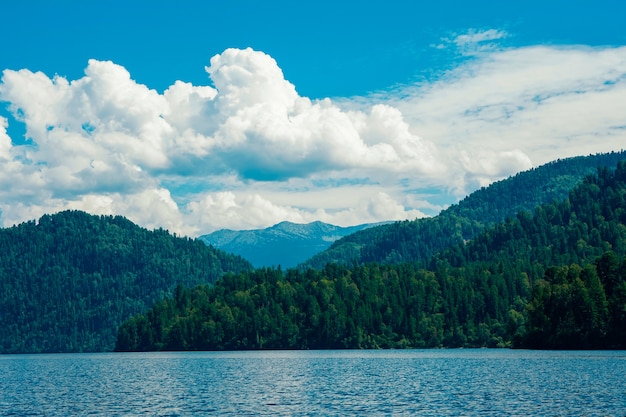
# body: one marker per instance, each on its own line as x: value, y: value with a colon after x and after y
x: 552, y: 278
x: 69, y: 280
x: 547, y: 275
x: 420, y: 239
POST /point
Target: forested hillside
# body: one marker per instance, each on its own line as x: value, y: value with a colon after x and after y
x: 418, y: 240
x: 551, y: 278
x: 69, y: 280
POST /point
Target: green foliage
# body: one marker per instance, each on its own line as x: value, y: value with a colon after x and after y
x: 69, y: 280
x: 373, y: 306
x: 569, y: 308
x: 419, y: 240
x: 551, y: 276
x: 554, y: 278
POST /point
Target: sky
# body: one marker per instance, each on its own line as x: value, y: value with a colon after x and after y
x: 195, y: 116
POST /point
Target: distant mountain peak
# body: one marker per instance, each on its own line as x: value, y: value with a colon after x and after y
x: 285, y: 243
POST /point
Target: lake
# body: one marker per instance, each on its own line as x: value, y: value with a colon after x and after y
x: 463, y: 382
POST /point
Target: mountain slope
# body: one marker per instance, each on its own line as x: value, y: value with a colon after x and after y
x: 420, y: 239
x: 553, y: 278
x: 68, y: 280
x: 286, y: 244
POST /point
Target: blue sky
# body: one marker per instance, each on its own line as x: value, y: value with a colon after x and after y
x: 325, y: 48
x: 196, y: 116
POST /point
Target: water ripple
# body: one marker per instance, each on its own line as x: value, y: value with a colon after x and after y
x: 328, y: 383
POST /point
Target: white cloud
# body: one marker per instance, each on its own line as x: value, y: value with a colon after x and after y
x: 499, y: 114
x: 5, y: 141
x: 474, y: 42
x: 230, y: 210
x: 107, y: 144
x: 483, y: 166
x: 264, y: 130
x: 477, y: 37
x: 249, y: 151
x: 250, y: 211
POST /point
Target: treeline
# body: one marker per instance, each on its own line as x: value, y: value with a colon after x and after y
x: 373, y: 306
x: 419, y: 240
x: 70, y: 279
x: 555, y: 278
x: 384, y: 306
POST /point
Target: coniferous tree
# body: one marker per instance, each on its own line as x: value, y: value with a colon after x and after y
x: 546, y: 280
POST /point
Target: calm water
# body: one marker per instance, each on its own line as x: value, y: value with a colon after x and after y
x: 330, y: 383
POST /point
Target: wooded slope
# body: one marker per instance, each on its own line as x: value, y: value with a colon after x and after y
x: 69, y: 280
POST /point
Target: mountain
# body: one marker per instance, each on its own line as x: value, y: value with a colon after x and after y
x: 553, y: 277
x: 68, y: 280
x: 286, y: 244
x: 420, y: 239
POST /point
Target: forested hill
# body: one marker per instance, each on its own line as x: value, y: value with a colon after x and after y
x: 420, y: 239
x: 69, y: 280
x: 551, y: 278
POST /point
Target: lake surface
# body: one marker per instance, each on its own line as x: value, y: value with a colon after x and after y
x: 463, y: 382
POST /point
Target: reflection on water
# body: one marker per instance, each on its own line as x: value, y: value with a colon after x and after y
x: 413, y: 382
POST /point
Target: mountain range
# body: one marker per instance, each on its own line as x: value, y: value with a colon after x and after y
x: 68, y: 280
x: 315, y: 244
x: 286, y: 244
x: 553, y: 277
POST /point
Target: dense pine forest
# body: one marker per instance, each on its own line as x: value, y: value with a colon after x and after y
x: 69, y: 280
x: 418, y: 240
x: 553, y: 277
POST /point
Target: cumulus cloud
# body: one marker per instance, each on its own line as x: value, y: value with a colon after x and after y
x: 106, y: 143
x: 263, y: 130
x: 5, y: 141
x: 89, y: 135
x: 248, y: 151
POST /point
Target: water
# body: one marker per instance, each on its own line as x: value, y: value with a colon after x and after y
x: 308, y: 383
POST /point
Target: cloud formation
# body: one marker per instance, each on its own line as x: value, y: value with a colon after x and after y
x: 248, y: 151
x: 473, y: 42
x: 106, y: 143
x: 516, y: 106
